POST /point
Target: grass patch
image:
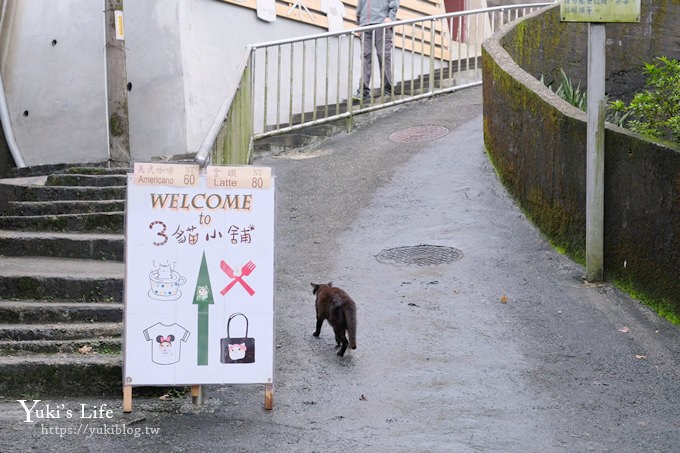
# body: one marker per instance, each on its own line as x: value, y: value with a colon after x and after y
x: 664, y: 308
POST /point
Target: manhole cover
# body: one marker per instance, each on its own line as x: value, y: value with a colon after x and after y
x: 419, y: 134
x: 420, y: 255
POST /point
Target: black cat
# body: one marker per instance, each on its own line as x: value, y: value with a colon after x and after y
x: 335, y: 305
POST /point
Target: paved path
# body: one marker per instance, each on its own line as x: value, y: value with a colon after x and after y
x: 503, y: 350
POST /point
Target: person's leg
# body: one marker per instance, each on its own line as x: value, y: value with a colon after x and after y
x: 387, y: 82
x: 367, y: 54
x: 383, y: 46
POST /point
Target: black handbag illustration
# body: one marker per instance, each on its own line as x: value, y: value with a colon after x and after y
x: 237, y: 349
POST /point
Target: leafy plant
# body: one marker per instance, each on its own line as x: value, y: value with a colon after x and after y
x: 176, y: 393
x: 654, y: 112
x: 617, y: 113
x: 573, y: 95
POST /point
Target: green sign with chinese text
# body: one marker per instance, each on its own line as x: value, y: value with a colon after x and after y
x: 600, y: 10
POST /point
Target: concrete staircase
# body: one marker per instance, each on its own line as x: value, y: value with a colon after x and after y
x: 61, y: 283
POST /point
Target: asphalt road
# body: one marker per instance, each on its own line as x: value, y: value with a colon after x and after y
x: 504, y: 349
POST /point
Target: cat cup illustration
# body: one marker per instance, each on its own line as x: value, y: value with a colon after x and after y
x: 165, y: 282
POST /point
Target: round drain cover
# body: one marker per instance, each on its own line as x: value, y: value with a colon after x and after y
x: 420, y: 255
x: 419, y: 134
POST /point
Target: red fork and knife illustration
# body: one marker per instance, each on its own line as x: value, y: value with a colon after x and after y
x: 246, y: 270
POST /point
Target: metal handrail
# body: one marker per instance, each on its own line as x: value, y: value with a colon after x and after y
x: 283, y: 85
x: 5, y: 120
x: 202, y: 156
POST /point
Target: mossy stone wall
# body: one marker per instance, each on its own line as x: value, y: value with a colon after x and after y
x: 543, y: 45
x: 537, y: 143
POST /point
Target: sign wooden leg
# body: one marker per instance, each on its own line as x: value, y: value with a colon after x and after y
x: 127, y: 399
x: 197, y: 395
x: 269, y: 396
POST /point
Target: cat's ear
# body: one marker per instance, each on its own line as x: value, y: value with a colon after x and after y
x: 330, y: 283
x: 315, y: 288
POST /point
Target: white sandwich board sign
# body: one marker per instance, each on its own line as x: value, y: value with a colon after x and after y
x: 199, y: 275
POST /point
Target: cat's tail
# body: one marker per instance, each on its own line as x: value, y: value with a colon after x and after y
x: 351, y: 320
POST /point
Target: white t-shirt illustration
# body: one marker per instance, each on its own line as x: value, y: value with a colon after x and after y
x: 166, y: 342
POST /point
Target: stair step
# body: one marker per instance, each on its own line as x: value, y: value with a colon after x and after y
x: 64, y: 245
x: 59, y: 375
x: 33, y: 312
x: 107, y: 222
x: 281, y: 143
x: 48, y: 169
x: 62, y: 279
x: 312, y: 135
x: 62, y: 267
x: 85, y: 346
x: 29, y: 208
x: 59, y: 331
x: 99, y: 170
x: 56, y: 193
x: 79, y: 179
